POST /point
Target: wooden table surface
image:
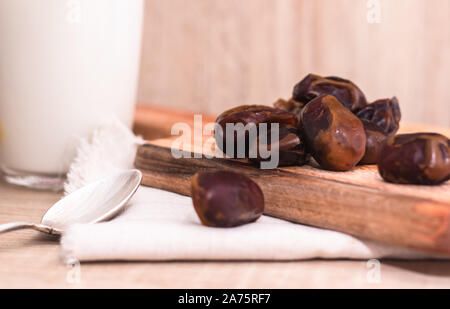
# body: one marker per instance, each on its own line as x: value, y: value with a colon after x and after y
x: 31, y: 260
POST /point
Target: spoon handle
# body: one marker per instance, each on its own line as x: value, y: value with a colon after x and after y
x: 9, y: 227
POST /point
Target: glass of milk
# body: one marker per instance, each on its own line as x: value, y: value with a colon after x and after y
x: 66, y: 66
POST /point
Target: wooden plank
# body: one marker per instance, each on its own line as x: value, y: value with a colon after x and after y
x: 152, y: 122
x: 356, y: 202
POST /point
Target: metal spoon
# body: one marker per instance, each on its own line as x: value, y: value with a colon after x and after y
x: 96, y: 202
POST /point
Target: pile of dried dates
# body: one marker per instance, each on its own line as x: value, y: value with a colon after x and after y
x: 330, y: 120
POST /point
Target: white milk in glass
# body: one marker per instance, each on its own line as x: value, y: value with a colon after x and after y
x: 66, y: 66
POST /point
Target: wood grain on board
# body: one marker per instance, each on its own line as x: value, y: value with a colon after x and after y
x: 357, y: 202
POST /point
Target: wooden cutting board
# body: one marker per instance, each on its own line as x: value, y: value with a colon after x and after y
x: 358, y: 202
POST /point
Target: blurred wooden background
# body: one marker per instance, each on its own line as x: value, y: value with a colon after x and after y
x: 210, y: 55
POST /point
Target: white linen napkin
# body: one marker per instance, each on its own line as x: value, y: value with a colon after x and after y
x: 159, y: 225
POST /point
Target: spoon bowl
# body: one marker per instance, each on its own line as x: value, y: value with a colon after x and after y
x: 93, y: 203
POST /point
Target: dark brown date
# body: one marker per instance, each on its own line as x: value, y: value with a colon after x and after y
x: 384, y: 113
x: 375, y: 138
x: 256, y: 114
x: 334, y: 135
x: 313, y: 86
x: 291, y: 147
x: 381, y: 119
x: 226, y: 199
x: 249, y: 114
x: 420, y: 158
